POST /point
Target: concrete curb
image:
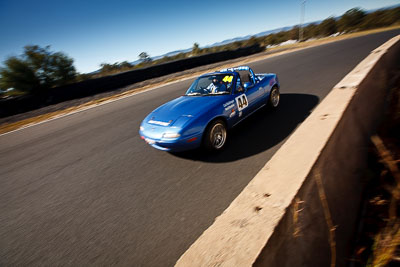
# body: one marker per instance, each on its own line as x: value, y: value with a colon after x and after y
x: 277, y: 220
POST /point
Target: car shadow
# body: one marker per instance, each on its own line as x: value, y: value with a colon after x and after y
x: 261, y: 131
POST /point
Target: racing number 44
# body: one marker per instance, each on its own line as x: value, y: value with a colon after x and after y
x: 241, y: 102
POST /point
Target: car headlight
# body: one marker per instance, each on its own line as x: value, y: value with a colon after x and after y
x: 171, y: 135
x: 141, y: 128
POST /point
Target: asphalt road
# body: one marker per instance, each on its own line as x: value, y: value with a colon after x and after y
x: 86, y: 190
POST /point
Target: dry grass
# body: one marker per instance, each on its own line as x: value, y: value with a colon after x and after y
x: 388, y: 239
x: 386, y: 243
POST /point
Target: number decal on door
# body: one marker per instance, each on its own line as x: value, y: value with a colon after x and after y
x: 241, y: 102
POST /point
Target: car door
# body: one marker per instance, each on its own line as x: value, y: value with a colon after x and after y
x: 244, y: 99
x: 253, y: 95
x: 251, y: 90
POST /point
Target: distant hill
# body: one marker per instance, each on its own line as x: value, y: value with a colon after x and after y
x: 264, y: 33
x: 228, y: 41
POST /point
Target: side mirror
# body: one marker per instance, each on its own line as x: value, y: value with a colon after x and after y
x: 247, y: 85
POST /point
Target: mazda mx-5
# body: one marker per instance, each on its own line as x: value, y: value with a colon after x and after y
x: 214, y: 103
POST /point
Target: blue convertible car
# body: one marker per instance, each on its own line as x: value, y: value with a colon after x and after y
x: 214, y: 103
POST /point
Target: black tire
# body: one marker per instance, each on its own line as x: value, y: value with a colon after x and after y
x: 215, y: 136
x: 274, y: 98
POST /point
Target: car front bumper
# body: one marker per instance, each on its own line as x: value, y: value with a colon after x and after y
x: 173, y: 145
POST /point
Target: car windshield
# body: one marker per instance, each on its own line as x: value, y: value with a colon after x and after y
x: 214, y: 84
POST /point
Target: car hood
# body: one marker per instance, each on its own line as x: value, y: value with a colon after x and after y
x: 187, y: 106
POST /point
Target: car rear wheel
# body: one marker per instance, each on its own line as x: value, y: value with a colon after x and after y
x: 215, y: 137
x: 274, y: 98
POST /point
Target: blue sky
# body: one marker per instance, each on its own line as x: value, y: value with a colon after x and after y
x: 93, y: 32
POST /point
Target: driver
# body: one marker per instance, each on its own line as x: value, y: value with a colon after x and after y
x: 217, y: 86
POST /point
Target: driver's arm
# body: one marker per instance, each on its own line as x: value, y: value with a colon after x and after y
x: 210, y: 87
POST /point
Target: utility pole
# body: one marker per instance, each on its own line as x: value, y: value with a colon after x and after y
x: 302, y: 11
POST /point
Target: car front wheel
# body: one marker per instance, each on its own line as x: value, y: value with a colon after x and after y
x: 215, y: 136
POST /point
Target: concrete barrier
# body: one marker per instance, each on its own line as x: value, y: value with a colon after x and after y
x: 279, y: 219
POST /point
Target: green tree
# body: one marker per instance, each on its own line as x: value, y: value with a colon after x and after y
x: 144, y: 57
x: 36, y: 69
x: 196, y: 49
x: 381, y: 18
x: 250, y: 42
x: 106, y: 67
x: 311, y: 31
x: 327, y: 27
x: 125, y: 65
x: 235, y: 45
x: 271, y: 39
x: 293, y: 34
x: 351, y: 19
